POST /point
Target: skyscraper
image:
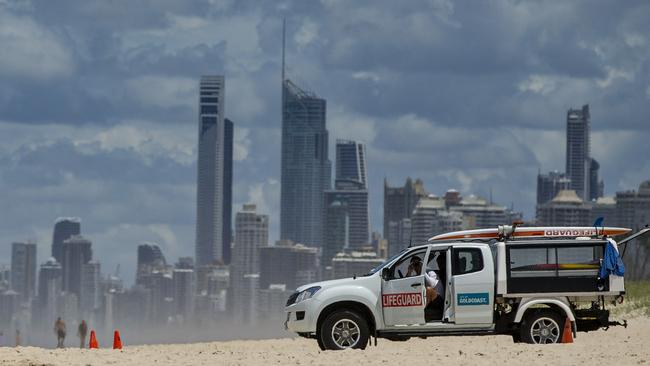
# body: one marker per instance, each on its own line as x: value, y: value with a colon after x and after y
x: 23, y: 269
x: 64, y: 228
x: 578, y: 159
x: 150, y: 258
x: 399, y: 203
x: 77, y: 251
x: 49, y: 287
x: 210, y: 172
x: 633, y: 207
x: 548, y: 185
x: 306, y: 169
x: 596, y: 186
x: 251, y: 233
x: 351, y: 161
x: 566, y: 209
x: 89, y: 292
x: 228, y: 142
x: 346, y: 207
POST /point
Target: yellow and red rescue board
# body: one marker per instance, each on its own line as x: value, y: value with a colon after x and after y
x: 534, y: 232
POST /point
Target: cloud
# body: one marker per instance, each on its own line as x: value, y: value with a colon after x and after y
x: 32, y: 51
x: 163, y: 92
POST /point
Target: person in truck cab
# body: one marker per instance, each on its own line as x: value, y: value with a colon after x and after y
x: 433, y: 283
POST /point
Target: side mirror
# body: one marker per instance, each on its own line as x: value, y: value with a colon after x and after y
x: 385, y: 273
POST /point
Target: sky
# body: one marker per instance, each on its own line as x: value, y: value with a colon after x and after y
x: 98, y: 103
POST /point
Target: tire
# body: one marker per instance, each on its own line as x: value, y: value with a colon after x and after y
x: 320, y: 343
x: 542, y: 327
x: 344, y: 329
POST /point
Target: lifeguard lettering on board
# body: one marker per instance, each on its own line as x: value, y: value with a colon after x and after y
x: 570, y: 232
x: 403, y: 299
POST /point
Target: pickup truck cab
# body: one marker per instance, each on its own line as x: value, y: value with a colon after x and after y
x: 525, y: 282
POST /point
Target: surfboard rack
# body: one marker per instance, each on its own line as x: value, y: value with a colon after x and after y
x: 506, y: 232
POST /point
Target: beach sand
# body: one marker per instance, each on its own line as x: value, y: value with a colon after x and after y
x: 617, y: 346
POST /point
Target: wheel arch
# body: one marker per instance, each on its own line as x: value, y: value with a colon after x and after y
x: 359, y: 307
x: 560, y: 306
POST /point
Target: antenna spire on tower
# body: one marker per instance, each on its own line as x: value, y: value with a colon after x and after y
x: 284, y: 32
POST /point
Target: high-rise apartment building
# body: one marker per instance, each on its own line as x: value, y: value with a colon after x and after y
x: 210, y: 171
x: 633, y: 207
x: 400, y: 235
x: 228, y: 145
x: 578, y: 156
x: 64, y: 228
x: 346, y: 207
x: 288, y: 264
x: 184, y: 293
x: 49, y: 287
x: 566, y: 209
x: 90, y: 291
x: 77, y: 251
x: 399, y: 203
x: 251, y: 234
x: 596, y: 186
x: 150, y: 258
x: 23, y: 269
x: 481, y: 213
x: 351, y: 162
x: 548, y: 185
x: 425, y: 219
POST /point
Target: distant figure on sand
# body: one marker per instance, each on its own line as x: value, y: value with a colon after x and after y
x: 83, y: 330
x: 59, y: 329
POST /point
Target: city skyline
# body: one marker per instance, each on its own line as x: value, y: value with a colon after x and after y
x: 495, y: 136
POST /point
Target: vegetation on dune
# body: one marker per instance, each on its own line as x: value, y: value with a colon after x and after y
x: 637, y: 299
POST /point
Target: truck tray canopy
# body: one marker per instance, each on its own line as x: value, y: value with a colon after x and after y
x: 544, y: 266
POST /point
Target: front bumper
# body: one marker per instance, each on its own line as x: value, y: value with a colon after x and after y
x: 300, y: 317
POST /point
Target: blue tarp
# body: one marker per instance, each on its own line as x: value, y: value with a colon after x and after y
x: 612, y: 262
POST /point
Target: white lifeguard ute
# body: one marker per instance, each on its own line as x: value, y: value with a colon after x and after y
x: 523, y: 281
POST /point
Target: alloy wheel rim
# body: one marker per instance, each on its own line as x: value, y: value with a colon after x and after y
x: 545, y: 330
x: 346, y: 333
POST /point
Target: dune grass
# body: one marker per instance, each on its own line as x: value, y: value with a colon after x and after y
x: 637, y: 299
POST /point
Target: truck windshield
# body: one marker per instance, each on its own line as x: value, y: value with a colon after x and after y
x: 379, y: 267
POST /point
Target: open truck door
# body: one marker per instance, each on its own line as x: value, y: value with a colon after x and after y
x: 471, y: 285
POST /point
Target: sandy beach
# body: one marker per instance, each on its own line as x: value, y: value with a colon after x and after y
x: 617, y: 346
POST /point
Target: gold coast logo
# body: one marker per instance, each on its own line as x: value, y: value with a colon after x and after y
x: 403, y: 299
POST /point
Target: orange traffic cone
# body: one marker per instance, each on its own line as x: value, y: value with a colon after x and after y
x: 117, y: 342
x: 567, y: 334
x: 93, y: 340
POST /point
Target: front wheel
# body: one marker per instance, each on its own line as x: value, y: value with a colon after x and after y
x: 344, y: 329
x: 542, y: 327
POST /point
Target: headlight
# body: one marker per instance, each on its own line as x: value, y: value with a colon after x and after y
x: 306, y: 294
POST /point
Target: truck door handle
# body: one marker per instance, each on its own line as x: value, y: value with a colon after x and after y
x: 416, y: 285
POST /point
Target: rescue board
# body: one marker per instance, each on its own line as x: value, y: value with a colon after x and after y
x: 534, y: 232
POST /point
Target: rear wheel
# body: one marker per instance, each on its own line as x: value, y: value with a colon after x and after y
x: 542, y: 327
x: 344, y: 329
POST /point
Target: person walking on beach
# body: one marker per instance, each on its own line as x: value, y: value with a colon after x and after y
x: 83, y: 330
x: 59, y: 329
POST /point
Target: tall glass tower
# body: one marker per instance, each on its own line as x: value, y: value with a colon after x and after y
x: 306, y: 168
x: 351, y: 161
x: 210, y: 174
x: 578, y: 159
x: 64, y: 228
